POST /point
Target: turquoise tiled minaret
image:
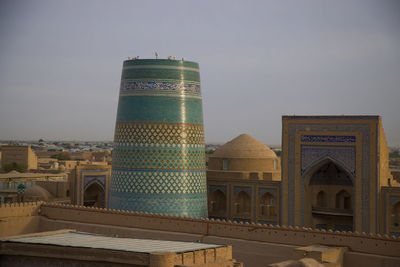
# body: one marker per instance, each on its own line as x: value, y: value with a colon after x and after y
x: 158, y: 162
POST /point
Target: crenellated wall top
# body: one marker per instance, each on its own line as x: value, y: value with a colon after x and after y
x: 21, y: 204
x: 221, y: 222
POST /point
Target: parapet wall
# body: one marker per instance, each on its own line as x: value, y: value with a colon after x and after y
x: 23, y: 209
x: 358, y: 242
x: 19, y: 218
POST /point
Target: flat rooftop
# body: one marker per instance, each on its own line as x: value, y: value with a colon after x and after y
x: 33, y: 175
x: 70, y: 238
x: 330, y: 117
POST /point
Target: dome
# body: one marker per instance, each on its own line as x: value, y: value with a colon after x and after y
x: 37, y: 192
x: 244, y: 146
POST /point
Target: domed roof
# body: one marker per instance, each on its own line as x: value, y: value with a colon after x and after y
x: 244, y: 146
x: 37, y: 192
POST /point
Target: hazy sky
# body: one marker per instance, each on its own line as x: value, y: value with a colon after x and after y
x: 61, y: 61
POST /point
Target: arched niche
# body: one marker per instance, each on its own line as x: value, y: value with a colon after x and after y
x: 242, y: 204
x: 218, y: 203
x: 313, y: 168
x: 331, y: 174
x: 395, y: 217
x: 328, y: 196
x: 94, y: 195
x: 267, y: 205
x: 343, y: 200
x: 321, y: 199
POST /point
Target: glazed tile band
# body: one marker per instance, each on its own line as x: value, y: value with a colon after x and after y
x: 171, y: 134
x: 161, y: 67
x: 158, y: 156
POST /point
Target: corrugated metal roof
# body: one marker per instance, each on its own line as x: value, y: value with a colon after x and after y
x: 87, y: 240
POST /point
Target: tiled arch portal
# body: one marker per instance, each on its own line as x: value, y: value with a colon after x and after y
x: 341, y: 153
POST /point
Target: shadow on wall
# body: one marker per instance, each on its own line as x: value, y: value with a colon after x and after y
x: 19, y: 218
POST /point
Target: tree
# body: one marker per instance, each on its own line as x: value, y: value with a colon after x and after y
x: 394, y: 155
x: 62, y: 156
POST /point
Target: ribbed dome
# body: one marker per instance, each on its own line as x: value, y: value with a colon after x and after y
x: 37, y: 192
x: 244, y: 146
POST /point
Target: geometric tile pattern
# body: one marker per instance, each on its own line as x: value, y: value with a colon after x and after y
x: 159, y: 159
x: 158, y: 182
x: 158, y: 156
x: 171, y: 134
x: 346, y: 155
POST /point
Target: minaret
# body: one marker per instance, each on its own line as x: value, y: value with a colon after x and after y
x: 158, y: 161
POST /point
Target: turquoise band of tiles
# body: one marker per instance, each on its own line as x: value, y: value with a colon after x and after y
x: 158, y: 156
x: 161, y: 62
x: 160, y: 109
x: 188, y: 205
x: 152, y: 73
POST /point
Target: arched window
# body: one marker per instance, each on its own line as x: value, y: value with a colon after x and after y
x: 343, y: 200
x: 217, y: 202
x: 224, y: 164
x: 94, y: 196
x: 396, y: 215
x: 267, y: 205
x: 242, y: 204
x: 321, y: 199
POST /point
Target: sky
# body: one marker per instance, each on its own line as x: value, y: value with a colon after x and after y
x: 61, y: 62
